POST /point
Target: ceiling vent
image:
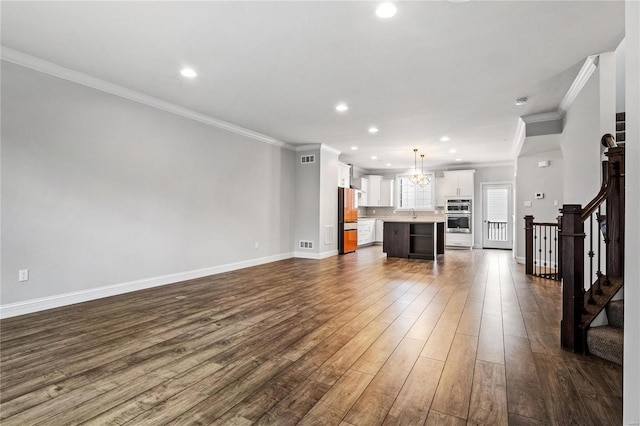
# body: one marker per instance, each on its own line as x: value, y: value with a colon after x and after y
x: 308, y: 159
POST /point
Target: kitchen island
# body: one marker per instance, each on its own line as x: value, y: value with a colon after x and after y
x: 413, y: 238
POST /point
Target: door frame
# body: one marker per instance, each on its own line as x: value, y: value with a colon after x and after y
x: 510, y: 214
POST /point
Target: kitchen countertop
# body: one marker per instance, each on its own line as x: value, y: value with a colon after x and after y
x: 409, y: 219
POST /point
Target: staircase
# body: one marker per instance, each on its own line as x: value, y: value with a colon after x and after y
x: 592, y: 246
x: 607, y: 341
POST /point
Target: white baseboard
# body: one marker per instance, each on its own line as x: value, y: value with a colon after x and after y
x: 316, y: 256
x: 520, y: 260
x: 50, y: 302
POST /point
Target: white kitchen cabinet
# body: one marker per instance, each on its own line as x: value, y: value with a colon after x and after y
x: 373, y: 194
x: 363, y: 184
x: 457, y: 183
x: 366, y: 231
x: 386, y: 193
x: 379, y: 230
x: 441, y: 188
x: 344, y: 175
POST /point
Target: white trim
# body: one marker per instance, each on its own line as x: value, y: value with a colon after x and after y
x: 325, y: 147
x: 56, y: 301
x: 315, y: 256
x: 50, y: 68
x: 520, y: 260
x: 542, y: 117
x: 521, y: 135
x: 308, y: 147
x: 589, y: 66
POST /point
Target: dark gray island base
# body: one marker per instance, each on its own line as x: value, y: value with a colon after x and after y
x: 413, y: 239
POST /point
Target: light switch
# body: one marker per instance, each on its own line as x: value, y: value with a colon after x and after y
x: 527, y: 203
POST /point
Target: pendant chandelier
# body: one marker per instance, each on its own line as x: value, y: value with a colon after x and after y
x: 418, y: 177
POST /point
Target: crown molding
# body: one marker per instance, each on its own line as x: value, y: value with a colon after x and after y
x: 542, y: 116
x: 520, y: 136
x: 589, y: 66
x: 325, y: 147
x: 58, y: 71
x: 307, y: 147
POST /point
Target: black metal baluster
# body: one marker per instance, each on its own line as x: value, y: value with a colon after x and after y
x: 592, y: 301
x: 535, y: 241
x: 599, y: 272
x: 545, y: 250
x: 555, y: 252
x: 606, y: 250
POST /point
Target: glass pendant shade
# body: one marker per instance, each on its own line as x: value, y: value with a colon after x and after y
x: 418, y: 177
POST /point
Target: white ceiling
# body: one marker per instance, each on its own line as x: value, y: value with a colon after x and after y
x: 280, y: 68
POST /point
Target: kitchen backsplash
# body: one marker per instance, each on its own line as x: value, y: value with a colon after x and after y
x: 389, y: 211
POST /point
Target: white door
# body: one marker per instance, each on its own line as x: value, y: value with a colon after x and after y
x: 497, y: 226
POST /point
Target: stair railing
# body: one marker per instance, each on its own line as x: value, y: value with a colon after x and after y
x: 587, y: 272
x: 543, y: 248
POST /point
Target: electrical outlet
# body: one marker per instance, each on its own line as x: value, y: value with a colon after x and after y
x: 23, y: 275
x: 256, y: 245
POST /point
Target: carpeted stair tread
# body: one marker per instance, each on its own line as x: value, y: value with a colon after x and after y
x: 606, y: 342
x: 615, y: 313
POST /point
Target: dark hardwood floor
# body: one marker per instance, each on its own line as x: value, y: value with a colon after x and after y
x: 351, y: 340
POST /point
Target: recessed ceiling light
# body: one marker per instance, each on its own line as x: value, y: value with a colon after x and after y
x: 188, y: 72
x: 373, y: 130
x: 342, y: 107
x: 452, y: 151
x: 386, y: 10
x: 521, y: 101
x: 444, y: 139
x: 388, y: 164
x: 373, y: 157
x: 354, y: 148
x: 458, y: 159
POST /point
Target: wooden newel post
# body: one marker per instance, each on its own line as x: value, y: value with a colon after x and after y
x: 615, y: 213
x: 572, y: 237
x: 528, y: 245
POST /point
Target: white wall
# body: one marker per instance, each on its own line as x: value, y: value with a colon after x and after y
x: 632, y: 231
x: 98, y: 191
x: 307, y: 202
x: 531, y: 179
x: 482, y: 175
x: 328, y: 231
x: 580, y: 144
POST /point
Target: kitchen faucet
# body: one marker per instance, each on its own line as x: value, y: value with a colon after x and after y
x: 413, y: 213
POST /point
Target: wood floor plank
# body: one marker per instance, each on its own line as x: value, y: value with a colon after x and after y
x: 334, y: 404
x: 491, y: 339
x: 524, y: 393
x: 488, y: 395
x: 411, y: 407
x: 453, y: 394
x: 555, y: 380
x: 436, y: 418
x: 378, y: 397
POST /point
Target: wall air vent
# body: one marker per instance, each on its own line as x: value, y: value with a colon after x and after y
x: 308, y: 159
x: 306, y: 244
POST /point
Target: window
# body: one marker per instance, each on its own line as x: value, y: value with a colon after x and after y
x: 411, y: 196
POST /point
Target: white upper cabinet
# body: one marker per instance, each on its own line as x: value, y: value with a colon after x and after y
x: 373, y: 194
x: 377, y: 192
x: 363, y: 184
x: 344, y: 175
x: 455, y: 183
x: 386, y: 193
